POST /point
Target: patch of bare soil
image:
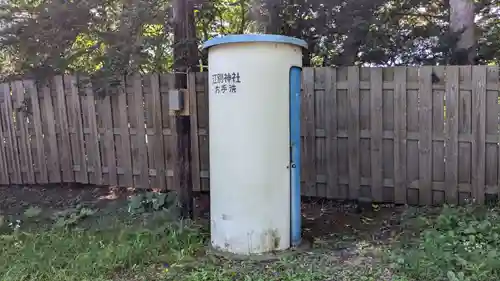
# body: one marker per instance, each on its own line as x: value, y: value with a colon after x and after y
x: 352, y: 237
x: 338, y: 224
x: 14, y: 200
x: 322, y: 219
x: 347, y: 241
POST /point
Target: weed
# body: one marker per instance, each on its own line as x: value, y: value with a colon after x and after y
x: 151, y: 201
x: 71, y: 217
x: 460, y: 244
x: 32, y: 212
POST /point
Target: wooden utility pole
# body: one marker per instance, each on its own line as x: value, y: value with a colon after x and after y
x: 265, y: 16
x: 185, y: 60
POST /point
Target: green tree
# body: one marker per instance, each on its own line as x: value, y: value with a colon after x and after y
x: 102, y: 37
x: 87, y: 36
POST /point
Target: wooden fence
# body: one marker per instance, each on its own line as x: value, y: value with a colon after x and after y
x: 416, y: 135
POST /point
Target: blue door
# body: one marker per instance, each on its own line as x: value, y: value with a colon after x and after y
x: 295, y: 212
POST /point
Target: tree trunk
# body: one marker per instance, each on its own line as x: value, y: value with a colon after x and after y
x: 462, y: 25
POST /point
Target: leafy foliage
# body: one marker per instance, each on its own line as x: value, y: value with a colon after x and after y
x: 152, y: 201
x: 109, y: 37
x: 32, y: 212
x: 71, y: 217
x: 90, y: 36
x: 460, y: 244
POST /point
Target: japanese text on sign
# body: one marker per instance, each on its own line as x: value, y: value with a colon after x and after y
x: 225, y: 82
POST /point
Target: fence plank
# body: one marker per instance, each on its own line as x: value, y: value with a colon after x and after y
x: 319, y: 124
x: 4, y: 167
x: 129, y: 88
x: 12, y: 149
x: 24, y: 144
x: 332, y: 190
x: 120, y: 120
x: 365, y: 162
x: 400, y: 134
x: 495, y: 78
x: 342, y: 131
x: 93, y: 151
x: 11, y: 139
x: 203, y: 127
x: 353, y: 131
x: 478, y: 132
x: 195, y: 146
x: 75, y: 124
x: 108, y: 142
x: 141, y: 159
x: 425, y: 131
x: 65, y: 146
x: 491, y: 123
x: 161, y: 171
x: 465, y: 128
x: 412, y: 129
x: 308, y: 131
x: 10, y: 165
x: 376, y: 118
x: 451, y: 144
x: 53, y: 164
x: 438, y: 130
x: 150, y: 131
x: 169, y: 139
x: 37, y: 123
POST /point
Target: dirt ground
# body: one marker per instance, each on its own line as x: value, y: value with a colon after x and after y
x: 322, y: 219
x: 342, y: 236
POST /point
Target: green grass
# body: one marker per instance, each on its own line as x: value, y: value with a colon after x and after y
x: 151, y: 251
x: 450, y: 244
x: 131, y: 254
x: 63, y: 254
x: 458, y: 244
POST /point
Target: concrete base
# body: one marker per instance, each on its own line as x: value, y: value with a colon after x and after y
x: 271, y: 256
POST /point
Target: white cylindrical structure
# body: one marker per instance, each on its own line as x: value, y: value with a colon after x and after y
x: 249, y: 123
